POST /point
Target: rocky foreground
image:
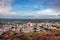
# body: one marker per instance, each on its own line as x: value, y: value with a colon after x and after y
x: 40, y: 35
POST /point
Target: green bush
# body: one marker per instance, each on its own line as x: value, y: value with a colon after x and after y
x: 58, y: 34
x: 1, y: 37
x: 16, y: 39
x: 58, y: 39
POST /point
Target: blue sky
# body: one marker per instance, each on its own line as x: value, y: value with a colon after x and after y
x: 29, y: 5
x: 30, y: 9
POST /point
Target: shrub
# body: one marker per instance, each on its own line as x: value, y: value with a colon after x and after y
x: 58, y: 39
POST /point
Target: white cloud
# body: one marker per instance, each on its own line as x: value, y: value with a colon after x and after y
x: 5, y: 8
x: 5, y: 5
x: 48, y: 13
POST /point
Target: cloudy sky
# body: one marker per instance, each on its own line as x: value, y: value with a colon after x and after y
x: 30, y: 9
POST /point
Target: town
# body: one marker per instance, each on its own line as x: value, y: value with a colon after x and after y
x: 28, y: 26
x: 29, y: 30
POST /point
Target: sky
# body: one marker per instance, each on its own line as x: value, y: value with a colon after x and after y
x: 30, y: 9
